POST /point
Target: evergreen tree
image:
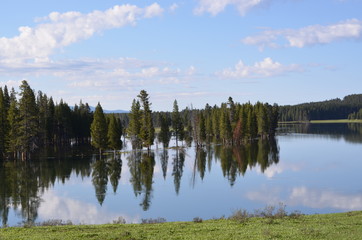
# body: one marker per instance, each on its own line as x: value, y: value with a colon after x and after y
x: 50, y: 124
x: 3, y: 125
x: 147, y: 132
x: 177, y: 124
x: 164, y: 135
x: 134, y: 126
x: 63, y: 123
x: 208, y: 122
x: 99, y: 129
x: 114, y: 133
x: 216, y: 122
x: 28, y: 125
x: 225, y: 126
x: 42, y: 104
x: 251, y: 124
x: 14, y: 121
x: 202, y: 128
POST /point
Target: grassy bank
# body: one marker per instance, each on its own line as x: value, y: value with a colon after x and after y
x: 326, y: 226
x: 336, y: 121
x: 323, y: 121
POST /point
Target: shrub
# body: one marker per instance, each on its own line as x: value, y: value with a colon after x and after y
x: 119, y: 220
x: 152, y: 220
x: 240, y: 215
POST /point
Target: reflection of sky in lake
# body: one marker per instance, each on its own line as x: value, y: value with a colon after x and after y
x: 314, y: 175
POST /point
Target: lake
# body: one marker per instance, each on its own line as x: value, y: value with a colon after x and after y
x: 313, y: 168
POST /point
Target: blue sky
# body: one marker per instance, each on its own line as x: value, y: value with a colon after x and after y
x: 198, y: 51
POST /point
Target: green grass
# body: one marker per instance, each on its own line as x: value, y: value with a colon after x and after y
x: 326, y: 226
x: 324, y: 121
x: 336, y: 121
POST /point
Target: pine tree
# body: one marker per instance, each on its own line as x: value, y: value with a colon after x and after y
x: 134, y: 126
x: 28, y: 124
x: 99, y: 129
x: 177, y: 124
x: 164, y: 135
x: 147, y: 133
x: 201, y: 128
x: 50, y: 124
x: 42, y: 104
x: 6, y: 98
x: 3, y: 125
x: 216, y: 122
x: 114, y: 133
x: 14, y: 121
x: 225, y: 126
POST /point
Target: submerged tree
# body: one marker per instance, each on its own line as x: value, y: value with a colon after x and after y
x: 134, y: 126
x: 99, y: 129
x: 147, y: 132
x: 164, y: 135
x: 3, y: 125
x: 177, y: 125
x: 114, y: 133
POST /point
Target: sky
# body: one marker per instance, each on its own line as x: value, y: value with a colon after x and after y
x: 196, y: 51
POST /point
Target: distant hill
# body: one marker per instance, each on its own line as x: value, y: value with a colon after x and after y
x: 109, y: 111
x: 324, y: 110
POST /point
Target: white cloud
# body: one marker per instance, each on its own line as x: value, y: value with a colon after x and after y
x: 173, y: 7
x: 265, y: 68
x: 214, y: 7
x: 307, y: 197
x: 279, y: 168
x: 153, y: 10
x: 58, y: 30
x: 323, y: 199
x: 307, y: 36
x: 64, y: 208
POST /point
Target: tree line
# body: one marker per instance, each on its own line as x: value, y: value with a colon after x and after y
x: 30, y: 121
x: 231, y: 123
x: 346, y: 108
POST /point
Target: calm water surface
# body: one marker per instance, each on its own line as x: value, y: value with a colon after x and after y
x: 311, y: 168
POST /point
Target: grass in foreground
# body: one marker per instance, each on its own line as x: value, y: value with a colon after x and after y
x: 241, y: 226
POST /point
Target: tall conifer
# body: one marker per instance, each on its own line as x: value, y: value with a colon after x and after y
x: 99, y: 129
x: 28, y: 124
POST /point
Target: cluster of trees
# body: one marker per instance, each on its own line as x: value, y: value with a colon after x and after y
x: 140, y: 128
x: 106, y: 131
x: 355, y: 115
x: 29, y: 121
x: 231, y: 124
x: 330, y: 109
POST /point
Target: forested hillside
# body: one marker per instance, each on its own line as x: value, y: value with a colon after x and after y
x: 345, y: 108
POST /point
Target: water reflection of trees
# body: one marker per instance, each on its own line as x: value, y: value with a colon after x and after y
x: 178, y: 165
x: 234, y: 161
x: 22, y: 184
x: 141, y: 166
x: 108, y: 167
x: 350, y: 132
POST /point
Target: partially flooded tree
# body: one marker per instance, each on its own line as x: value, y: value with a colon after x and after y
x: 99, y: 129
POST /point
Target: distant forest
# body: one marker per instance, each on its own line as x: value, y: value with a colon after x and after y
x: 350, y: 107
